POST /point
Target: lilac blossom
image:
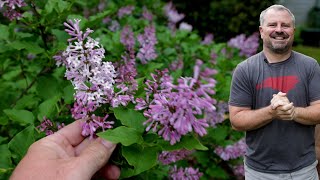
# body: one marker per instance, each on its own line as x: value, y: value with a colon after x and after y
x: 188, y: 173
x: 207, y: 39
x: 172, y: 13
x: 248, y: 46
x: 11, y: 8
x: 146, y: 14
x: 106, y: 20
x: 232, y: 151
x: 176, y: 110
x: 175, y: 65
x: 214, y: 57
x: 127, y: 37
x: 90, y: 125
x: 147, y: 42
x: 185, y: 26
x: 125, y: 80
x: 48, y: 127
x: 168, y: 157
x: 219, y: 115
x: 114, y: 26
x: 238, y: 170
x: 91, y: 77
x: 127, y: 10
x: 31, y: 56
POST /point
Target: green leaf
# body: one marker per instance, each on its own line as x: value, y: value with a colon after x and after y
x: 68, y: 92
x: 218, y: 134
x: 4, y: 48
x: 9, y: 76
x: 21, y: 116
x: 50, y: 6
x: 27, y: 102
x: 186, y: 142
x: 141, y: 158
x: 62, y: 6
x: 3, y: 120
x: 4, y: 31
x: 48, y: 108
x: 99, y: 15
x: 130, y: 118
x: 124, y: 135
x: 48, y: 86
x: 2, y: 139
x: 34, y: 48
x: 168, y: 51
x: 30, y: 46
x: 61, y: 36
x: 20, y: 143
x: 5, y: 159
x: 217, y: 172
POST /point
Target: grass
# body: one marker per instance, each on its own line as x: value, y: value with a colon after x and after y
x: 309, y: 51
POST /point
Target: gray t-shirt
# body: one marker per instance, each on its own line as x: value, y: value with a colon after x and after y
x: 280, y: 146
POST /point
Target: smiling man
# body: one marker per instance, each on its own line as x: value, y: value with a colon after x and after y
x: 275, y: 99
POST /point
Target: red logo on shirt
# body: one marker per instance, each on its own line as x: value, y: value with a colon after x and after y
x: 282, y: 83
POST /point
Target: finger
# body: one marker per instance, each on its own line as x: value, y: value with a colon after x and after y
x: 281, y: 94
x: 85, y: 143
x: 278, y: 104
x: 287, y: 107
x: 95, y: 156
x: 72, y: 132
x: 110, y: 171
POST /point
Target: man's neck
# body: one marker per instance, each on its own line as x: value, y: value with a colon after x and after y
x: 275, y: 58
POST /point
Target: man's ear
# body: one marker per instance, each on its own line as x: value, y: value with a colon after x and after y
x: 261, y: 31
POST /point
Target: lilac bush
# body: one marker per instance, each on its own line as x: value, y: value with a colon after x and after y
x: 136, y: 73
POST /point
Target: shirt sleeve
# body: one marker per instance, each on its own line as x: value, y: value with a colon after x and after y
x: 314, y: 83
x: 240, y: 92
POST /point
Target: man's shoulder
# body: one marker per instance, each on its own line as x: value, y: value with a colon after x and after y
x: 303, y: 58
x: 252, y: 61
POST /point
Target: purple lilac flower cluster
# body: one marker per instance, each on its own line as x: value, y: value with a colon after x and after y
x: 232, y: 151
x: 48, y: 127
x: 92, y: 78
x: 146, y: 14
x: 188, y: 173
x: 127, y: 10
x: 176, y: 110
x: 176, y: 65
x: 218, y: 116
x: 248, y: 46
x: 11, y: 8
x: 238, y: 170
x: 208, y: 39
x: 168, y: 157
x: 125, y: 80
x: 172, y: 14
x: 147, y: 41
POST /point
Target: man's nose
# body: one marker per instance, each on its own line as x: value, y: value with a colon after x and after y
x: 279, y: 28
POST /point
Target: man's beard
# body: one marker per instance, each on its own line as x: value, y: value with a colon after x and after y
x: 279, y: 48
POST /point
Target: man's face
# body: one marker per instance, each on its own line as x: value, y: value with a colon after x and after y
x: 277, y: 31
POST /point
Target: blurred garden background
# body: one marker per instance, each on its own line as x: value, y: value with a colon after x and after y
x: 150, y: 75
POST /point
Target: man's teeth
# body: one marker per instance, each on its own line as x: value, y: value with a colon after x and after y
x: 279, y: 38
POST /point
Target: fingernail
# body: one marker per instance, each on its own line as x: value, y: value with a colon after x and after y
x: 108, y: 144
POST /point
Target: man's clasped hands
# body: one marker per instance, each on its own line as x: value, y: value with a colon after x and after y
x: 282, y: 108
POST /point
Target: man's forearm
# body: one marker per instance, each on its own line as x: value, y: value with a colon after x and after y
x: 247, y: 120
x: 308, y: 116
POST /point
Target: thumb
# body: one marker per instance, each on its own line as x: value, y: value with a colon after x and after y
x: 95, y: 156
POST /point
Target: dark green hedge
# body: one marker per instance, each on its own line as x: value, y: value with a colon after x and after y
x: 223, y: 18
